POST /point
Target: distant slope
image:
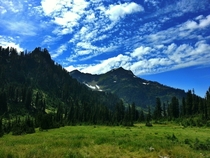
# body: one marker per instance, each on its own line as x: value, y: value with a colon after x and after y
x: 21, y: 73
x: 129, y: 87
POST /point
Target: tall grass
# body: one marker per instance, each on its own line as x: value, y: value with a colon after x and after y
x: 103, y: 141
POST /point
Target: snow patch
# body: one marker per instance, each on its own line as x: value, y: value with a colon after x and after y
x: 92, y: 87
x: 96, y: 87
x: 145, y: 83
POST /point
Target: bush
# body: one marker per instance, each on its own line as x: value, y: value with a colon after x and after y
x: 187, y: 141
x: 172, y: 138
x: 23, y: 126
x: 1, y: 129
x: 198, y: 145
x: 148, y: 124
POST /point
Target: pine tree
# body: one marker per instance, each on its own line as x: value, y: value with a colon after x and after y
x: 149, y: 116
x: 28, y: 100
x: 189, y: 103
x: 3, y: 103
x: 37, y: 100
x: 183, y: 107
x: 1, y: 128
x: 164, y: 110
x: 134, y: 112
x: 119, y: 112
x: 158, y: 110
x: 207, y: 98
x: 141, y: 116
x: 174, y: 107
x: 194, y: 102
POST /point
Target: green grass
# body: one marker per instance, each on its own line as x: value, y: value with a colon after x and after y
x: 103, y: 141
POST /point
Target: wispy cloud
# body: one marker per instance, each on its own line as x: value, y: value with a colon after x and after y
x: 157, y: 59
x: 24, y: 28
x: 95, y: 36
x: 66, y: 14
x: 6, y: 41
x: 60, y: 50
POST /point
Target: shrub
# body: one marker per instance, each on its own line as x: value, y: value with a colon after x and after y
x: 148, y: 124
x: 172, y: 138
x: 198, y: 145
x: 187, y: 141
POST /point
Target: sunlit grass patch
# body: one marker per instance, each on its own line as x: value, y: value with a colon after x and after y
x: 104, y: 141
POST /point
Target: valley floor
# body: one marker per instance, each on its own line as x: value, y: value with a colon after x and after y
x: 104, y: 141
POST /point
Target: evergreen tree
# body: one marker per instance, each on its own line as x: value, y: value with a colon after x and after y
x: 119, y: 112
x: 149, y: 116
x: 3, y: 103
x: 128, y: 117
x: 189, y: 103
x: 134, y: 112
x: 164, y: 110
x: 158, y: 110
x: 28, y: 125
x: 37, y: 100
x: 183, y: 107
x: 174, y: 107
x: 141, y: 116
x: 28, y: 100
x: 207, y: 98
x: 1, y: 128
x: 194, y: 103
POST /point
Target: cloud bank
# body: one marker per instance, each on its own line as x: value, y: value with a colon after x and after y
x: 147, y: 37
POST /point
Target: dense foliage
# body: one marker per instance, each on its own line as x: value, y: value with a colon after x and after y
x: 36, y: 92
x: 192, y: 111
x: 31, y: 84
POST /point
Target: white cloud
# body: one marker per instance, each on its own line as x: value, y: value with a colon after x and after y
x: 153, y: 3
x: 140, y: 51
x: 65, y: 13
x: 67, y: 17
x: 2, y: 10
x: 50, y: 40
x: 106, y: 65
x: 6, y: 41
x: 71, y: 68
x: 24, y: 28
x: 91, y: 17
x: 49, y: 6
x: 60, y: 51
x: 96, y: 27
x: 163, y: 58
x: 116, y: 12
x: 13, y: 6
x: 203, y: 22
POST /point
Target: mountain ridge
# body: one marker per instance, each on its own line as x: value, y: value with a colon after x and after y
x: 128, y: 87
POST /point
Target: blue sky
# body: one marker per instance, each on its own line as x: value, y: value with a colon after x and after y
x: 161, y: 40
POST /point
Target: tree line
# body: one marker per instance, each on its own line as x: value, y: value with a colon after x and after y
x: 35, y: 92
x: 191, y: 106
x: 35, y: 89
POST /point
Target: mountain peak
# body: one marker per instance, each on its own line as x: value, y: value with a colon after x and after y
x: 129, y: 87
x: 121, y: 71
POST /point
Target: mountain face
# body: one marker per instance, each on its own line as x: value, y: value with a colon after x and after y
x: 29, y: 80
x: 129, y: 87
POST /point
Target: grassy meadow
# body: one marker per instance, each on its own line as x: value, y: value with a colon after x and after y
x: 104, y: 141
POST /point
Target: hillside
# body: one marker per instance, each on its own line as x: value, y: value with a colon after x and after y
x: 129, y: 87
x: 33, y: 81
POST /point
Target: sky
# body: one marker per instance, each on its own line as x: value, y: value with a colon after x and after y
x: 167, y: 41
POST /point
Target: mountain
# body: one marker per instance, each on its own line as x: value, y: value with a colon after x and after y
x: 33, y: 81
x: 129, y: 87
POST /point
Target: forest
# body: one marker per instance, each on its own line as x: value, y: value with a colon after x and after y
x: 36, y: 92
